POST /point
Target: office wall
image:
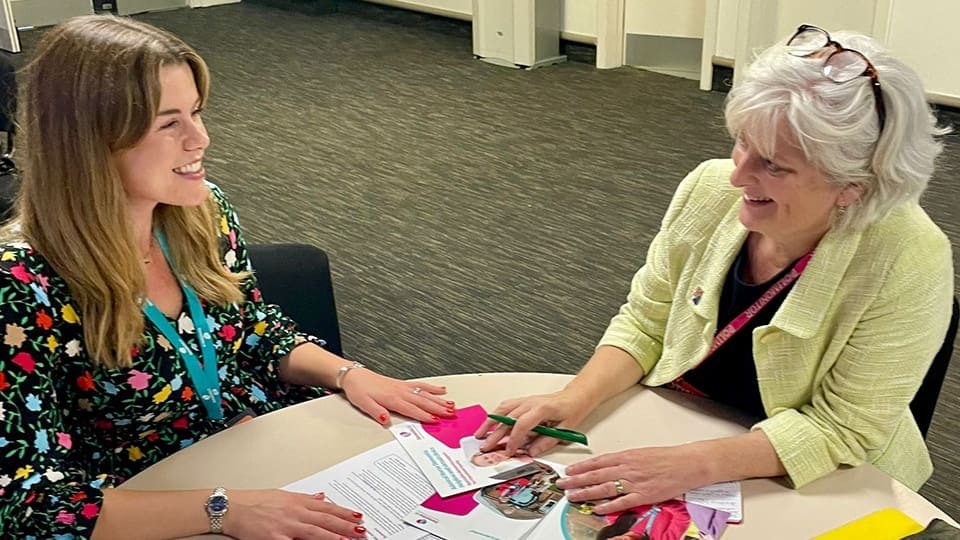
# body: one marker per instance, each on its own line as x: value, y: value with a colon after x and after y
x: 920, y: 32
x: 578, y: 17
x: 726, y: 31
x: 676, y: 18
x: 774, y: 19
x: 458, y: 9
x: 48, y: 12
x: 924, y: 35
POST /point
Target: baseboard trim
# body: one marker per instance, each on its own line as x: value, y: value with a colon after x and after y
x: 413, y: 6
x: 721, y: 61
x: 211, y: 3
x: 944, y: 99
x: 577, y: 37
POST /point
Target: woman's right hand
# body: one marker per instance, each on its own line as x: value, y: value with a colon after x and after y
x: 564, y: 409
x: 280, y: 515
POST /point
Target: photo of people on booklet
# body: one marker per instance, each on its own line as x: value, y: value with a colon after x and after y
x: 507, y: 510
x: 668, y: 520
x: 527, y: 497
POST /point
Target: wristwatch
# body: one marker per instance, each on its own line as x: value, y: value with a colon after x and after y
x: 343, y: 371
x: 217, y: 505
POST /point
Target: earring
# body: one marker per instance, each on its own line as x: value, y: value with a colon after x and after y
x: 842, y: 210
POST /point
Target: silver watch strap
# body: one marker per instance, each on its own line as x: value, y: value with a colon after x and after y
x: 216, y: 524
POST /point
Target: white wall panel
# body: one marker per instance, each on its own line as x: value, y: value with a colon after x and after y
x: 48, y: 12
x: 856, y: 15
x: 727, y: 29
x: 579, y: 17
x: 928, y: 41
x: 674, y: 18
x: 460, y: 9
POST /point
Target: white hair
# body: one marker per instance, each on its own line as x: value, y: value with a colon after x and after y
x: 837, y: 127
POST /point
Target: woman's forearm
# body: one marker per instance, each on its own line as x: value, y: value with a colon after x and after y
x: 311, y: 365
x: 152, y: 514
x: 608, y: 372
x: 736, y: 458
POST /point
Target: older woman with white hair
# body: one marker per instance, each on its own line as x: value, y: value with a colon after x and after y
x: 800, y: 282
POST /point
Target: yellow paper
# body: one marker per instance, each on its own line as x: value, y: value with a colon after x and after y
x: 886, y: 524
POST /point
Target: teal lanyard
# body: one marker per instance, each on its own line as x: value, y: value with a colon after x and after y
x: 206, y: 380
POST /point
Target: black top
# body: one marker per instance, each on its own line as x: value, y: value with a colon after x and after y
x: 730, y: 374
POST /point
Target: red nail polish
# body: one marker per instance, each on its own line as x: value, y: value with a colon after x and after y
x: 358, y: 515
x: 451, y: 411
x: 383, y: 418
x: 360, y: 530
x: 435, y: 418
x: 450, y: 403
x: 319, y: 495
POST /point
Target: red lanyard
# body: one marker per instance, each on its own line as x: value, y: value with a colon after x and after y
x: 741, y: 320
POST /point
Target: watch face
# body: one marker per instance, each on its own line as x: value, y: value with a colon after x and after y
x: 217, y: 504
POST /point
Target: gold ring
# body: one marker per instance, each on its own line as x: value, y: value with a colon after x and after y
x: 619, y: 485
x: 417, y: 390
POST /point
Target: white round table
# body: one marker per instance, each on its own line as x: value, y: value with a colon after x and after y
x: 276, y: 449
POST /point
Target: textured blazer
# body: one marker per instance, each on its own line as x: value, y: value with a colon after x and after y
x: 844, y: 355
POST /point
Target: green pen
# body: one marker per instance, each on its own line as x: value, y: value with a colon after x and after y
x: 556, y: 433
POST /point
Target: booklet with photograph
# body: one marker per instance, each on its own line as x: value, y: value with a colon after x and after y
x: 449, y: 455
x: 508, y: 510
x: 668, y: 520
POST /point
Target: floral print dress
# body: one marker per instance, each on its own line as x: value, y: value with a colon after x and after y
x: 69, y: 428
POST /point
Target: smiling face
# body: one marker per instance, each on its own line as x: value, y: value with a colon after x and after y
x: 166, y: 166
x: 784, y: 195
x: 489, y: 459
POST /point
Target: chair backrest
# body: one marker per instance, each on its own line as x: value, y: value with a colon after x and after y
x: 8, y: 192
x: 296, y: 277
x: 8, y: 110
x: 925, y: 401
x: 8, y: 100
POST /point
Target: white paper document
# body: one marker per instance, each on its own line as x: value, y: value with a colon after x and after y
x: 383, y: 483
x: 724, y: 496
x: 449, y: 455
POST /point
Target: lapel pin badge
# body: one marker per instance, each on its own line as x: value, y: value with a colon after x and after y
x: 697, y: 295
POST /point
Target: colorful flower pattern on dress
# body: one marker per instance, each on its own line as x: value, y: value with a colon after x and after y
x: 71, y: 428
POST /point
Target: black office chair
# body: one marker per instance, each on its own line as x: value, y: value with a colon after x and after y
x: 296, y: 277
x: 8, y: 100
x: 8, y: 110
x: 925, y: 401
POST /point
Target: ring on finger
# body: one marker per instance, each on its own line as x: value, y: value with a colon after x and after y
x: 417, y: 390
x: 618, y: 484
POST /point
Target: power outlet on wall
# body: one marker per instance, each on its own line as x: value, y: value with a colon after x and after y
x: 101, y: 6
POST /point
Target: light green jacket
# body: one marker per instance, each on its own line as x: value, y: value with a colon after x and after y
x: 843, y: 356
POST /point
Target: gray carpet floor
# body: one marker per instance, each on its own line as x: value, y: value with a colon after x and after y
x: 477, y: 218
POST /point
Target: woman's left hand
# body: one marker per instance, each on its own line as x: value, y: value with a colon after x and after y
x: 645, y: 476
x: 378, y: 396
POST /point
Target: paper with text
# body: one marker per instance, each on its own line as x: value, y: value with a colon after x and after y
x: 382, y: 483
x: 724, y: 496
x: 449, y: 456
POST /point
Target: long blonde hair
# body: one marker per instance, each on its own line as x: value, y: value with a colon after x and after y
x: 93, y: 90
